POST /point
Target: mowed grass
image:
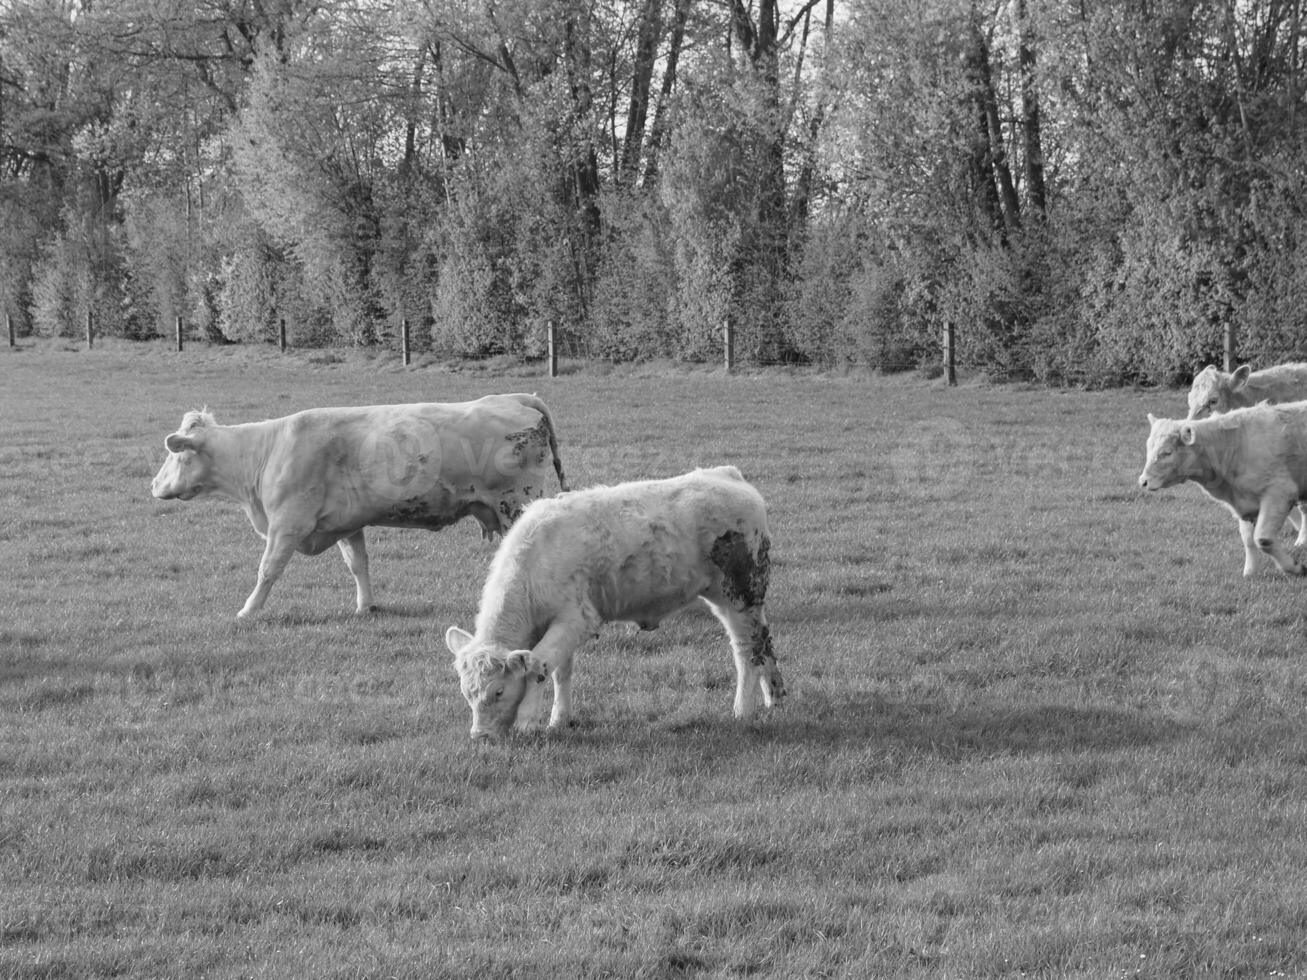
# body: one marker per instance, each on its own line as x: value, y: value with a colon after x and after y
x: 1038, y: 724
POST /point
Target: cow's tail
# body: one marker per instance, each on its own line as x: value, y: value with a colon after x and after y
x: 534, y: 401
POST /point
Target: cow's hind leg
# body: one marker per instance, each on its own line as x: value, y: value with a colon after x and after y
x: 755, y: 659
x: 737, y: 600
x: 1266, y: 533
x: 355, y: 552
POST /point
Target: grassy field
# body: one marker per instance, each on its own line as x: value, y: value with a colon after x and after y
x: 1038, y: 724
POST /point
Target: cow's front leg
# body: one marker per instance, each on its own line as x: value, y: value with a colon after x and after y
x: 1249, y: 548
x: 1266, y: 534
x: 1298, y: 518
x: 276, y: 553
x: 355, y: 553
x: 556, y: 648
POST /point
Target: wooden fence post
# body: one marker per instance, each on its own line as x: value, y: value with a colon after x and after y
x: 13, y: 337
x: 90, y: 331
x: 553, y: 349
x: 1229, y: 347
x: 179, y: 335
x: 404, y: 338
x: 281, y: 333
x: 728, y: 345
x: 950, y: 367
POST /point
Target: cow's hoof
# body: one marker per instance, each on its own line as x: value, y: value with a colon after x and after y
x: 776, y: 687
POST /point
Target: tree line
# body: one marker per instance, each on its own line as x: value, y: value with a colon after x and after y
x: 1086, y: 191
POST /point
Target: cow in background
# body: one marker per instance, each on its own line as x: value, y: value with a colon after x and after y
x: 634, y: 552
x: 1253, y: 460
x: 319, y: 477
x: 1214, y: 392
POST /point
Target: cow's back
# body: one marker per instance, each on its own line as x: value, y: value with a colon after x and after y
x: 633, y: 550
x: 424, y: 465
x: 618, y: 519
x: 1279, y: 384
x: 1251, y: 447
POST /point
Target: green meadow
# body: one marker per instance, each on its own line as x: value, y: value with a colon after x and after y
x: 1038, y: 724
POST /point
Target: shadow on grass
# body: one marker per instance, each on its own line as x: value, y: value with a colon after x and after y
x: 27, y: 656
x: 838, y: 722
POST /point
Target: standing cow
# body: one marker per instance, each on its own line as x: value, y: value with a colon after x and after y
x: 636, y: 551
x: 1253, y: 460
x: 1214, y: 392
x: 319, y: 477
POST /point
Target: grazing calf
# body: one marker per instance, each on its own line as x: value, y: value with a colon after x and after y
x: 1253, y: 460
x: 636, y: 551
x: 319, y: 477
x: 1215, y: 392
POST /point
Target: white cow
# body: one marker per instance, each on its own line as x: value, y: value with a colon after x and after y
x: 1253, y: 460
x: 636, y: 551
x: 1214, y: 392
x: 319, y: 477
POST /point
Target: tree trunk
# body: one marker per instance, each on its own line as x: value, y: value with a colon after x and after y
x: 411, y: 124
x: 1030, y: 117
x: 646, y: 51
x: 656, y: 131
x: 803, y: 183
x: 989, y: 156
x: 760, y: 43
x: 583, y: 175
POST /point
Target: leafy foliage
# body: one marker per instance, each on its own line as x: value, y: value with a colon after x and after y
x: 1084, y: 192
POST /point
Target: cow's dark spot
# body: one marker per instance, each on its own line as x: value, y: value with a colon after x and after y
x: 745, y: 574
x: 525, y: 440
x: 763, y: 652
x: 420, y: 513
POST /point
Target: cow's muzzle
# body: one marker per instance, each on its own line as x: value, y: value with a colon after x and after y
x: 172, y: 494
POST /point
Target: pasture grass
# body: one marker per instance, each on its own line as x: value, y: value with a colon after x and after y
x: 1038, y: 724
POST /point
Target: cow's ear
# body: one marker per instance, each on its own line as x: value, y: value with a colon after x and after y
x: 537, y: 668
x: 1187, y: 434
x: 531, y: 665
x: 1240, y: 376
x: 1152, y: 419
x: 457, y: 639
x: 178, y: 443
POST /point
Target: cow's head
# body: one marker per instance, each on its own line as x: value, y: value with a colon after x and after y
x: 1169, y: 453
x: 501, y: 686
x: 1211, y: 392
x: 185, y: 473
